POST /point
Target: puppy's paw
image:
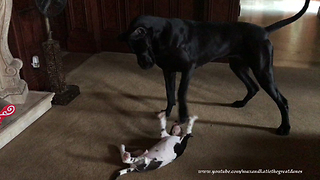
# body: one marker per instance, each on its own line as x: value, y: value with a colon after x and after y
x: 145, y: 152
x: 126, y: 157
x: 122, y: 147
x: 194, y: 118
x: 162, y: 114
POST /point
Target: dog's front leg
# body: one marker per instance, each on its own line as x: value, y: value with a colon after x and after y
x: 182, y: 94
x: 170, y: 80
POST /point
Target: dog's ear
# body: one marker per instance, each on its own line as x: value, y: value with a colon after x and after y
x: 122, y: 37
x: 140, y: 31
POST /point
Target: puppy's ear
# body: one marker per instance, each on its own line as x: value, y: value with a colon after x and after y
x: 122, y: 37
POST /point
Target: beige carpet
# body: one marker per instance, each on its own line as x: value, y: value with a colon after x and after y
x: 117, y: 105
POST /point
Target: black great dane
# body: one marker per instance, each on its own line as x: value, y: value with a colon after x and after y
x: 177, y: 45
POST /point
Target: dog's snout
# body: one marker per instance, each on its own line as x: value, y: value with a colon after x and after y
x: 145, y: 61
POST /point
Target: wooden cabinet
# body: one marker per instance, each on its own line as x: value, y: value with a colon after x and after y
x: 93, y: 25
x: 222, y: 10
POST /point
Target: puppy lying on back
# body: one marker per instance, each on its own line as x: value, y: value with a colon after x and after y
x: 170, y: 147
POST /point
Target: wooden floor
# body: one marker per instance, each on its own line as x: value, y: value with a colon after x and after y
x: 296, y: 45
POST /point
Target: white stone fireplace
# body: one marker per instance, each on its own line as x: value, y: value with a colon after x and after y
x: 30, y: 105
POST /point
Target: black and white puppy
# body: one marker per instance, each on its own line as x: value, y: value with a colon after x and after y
x: 170, y: 147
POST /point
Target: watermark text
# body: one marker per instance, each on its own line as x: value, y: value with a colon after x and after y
x: 248, y: 171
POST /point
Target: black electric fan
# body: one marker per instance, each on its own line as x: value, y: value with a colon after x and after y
x: 63, y: 93
x: 50, y: 8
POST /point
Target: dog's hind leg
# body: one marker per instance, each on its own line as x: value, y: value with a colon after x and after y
x: 126, y: 156
x: 262, y: 68
x: 242, y: 72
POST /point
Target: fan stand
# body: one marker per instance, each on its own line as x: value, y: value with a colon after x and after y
x: 64, y: 94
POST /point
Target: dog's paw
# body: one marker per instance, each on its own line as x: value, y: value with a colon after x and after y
x: 126, y: 157
x: 145, y: 152
x: 283, y: 130
x: 238, y: 104
x: 194, y: 118
x: 167, y: 112
x: 122, y: 147
x: 183, y: 120
x: 162, y: 114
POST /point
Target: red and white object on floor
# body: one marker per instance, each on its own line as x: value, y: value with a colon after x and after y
x: 7, y: 111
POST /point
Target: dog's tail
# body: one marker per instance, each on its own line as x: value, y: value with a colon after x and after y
x: 122, y: 172
x: 282, y: 23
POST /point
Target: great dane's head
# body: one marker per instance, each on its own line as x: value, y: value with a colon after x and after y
x: 139, y: 37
